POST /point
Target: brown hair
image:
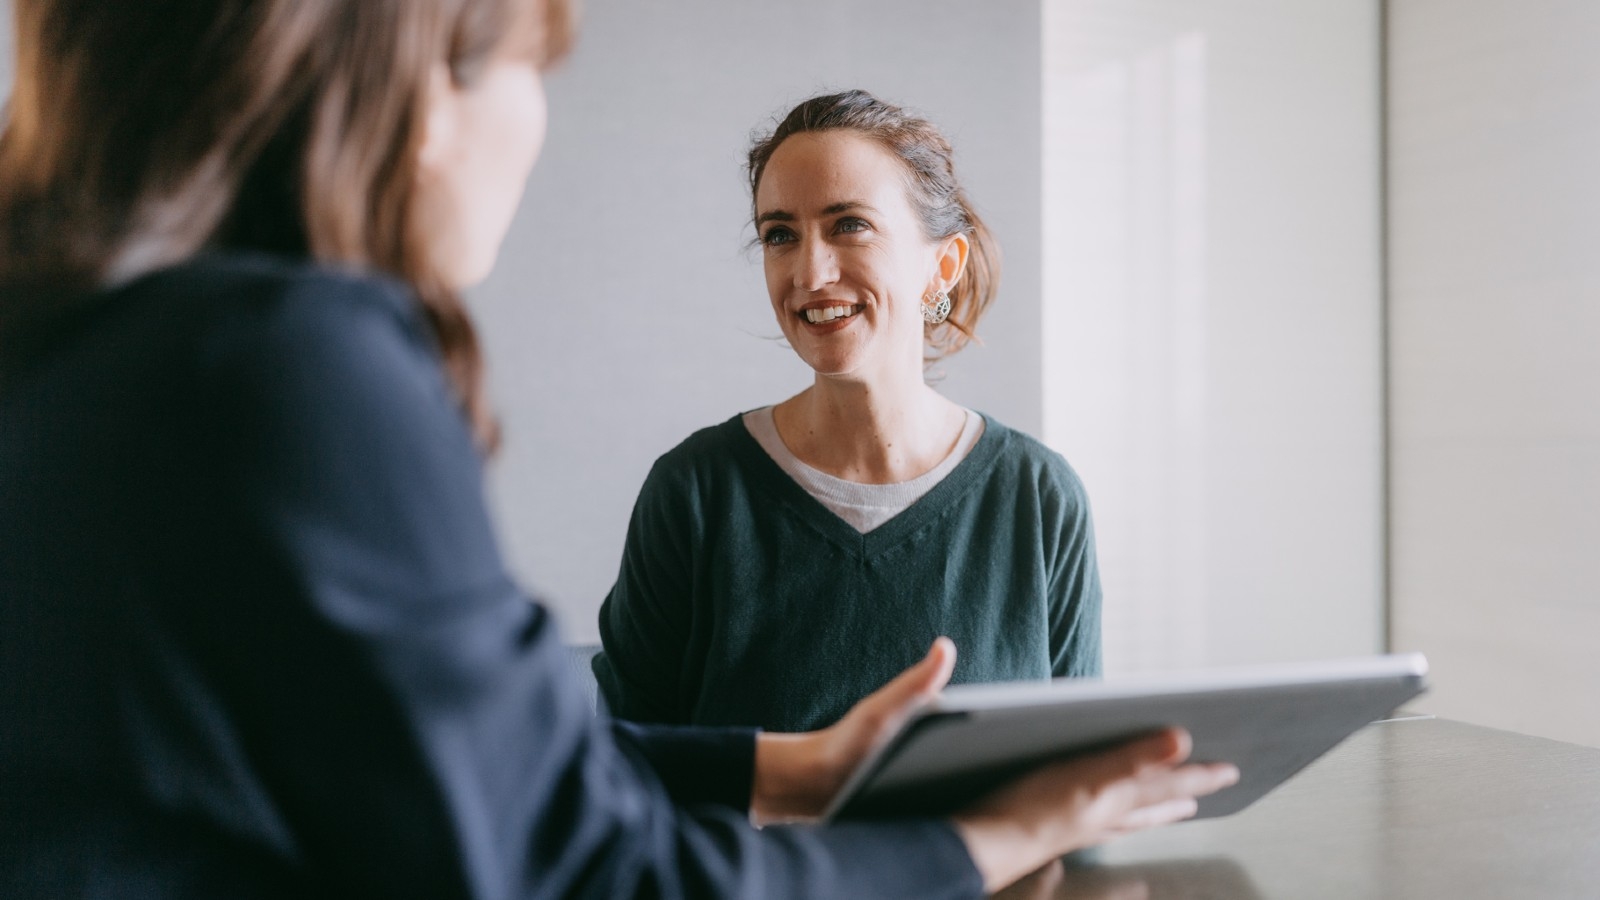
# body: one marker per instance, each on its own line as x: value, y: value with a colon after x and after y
x: 932, y: 187
x: 142, y: 132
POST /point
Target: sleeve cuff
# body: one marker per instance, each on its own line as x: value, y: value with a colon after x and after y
x: 695, y: 764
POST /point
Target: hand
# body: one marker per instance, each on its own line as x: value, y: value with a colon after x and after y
x: 797, y: 774
x: 1086, y: 801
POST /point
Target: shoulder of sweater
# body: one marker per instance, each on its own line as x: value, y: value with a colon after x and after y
x: 1025, y: 457
x: 701, y: 456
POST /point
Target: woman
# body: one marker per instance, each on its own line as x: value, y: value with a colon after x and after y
x: 782, y: 565
x: 256, y: 639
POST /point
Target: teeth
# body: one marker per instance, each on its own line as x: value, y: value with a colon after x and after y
x: 828, y: 314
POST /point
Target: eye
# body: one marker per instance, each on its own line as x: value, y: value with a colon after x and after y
x: 851, y: 225
x: 776, y: 235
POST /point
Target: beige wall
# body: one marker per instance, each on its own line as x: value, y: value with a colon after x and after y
x: 1494, y: 210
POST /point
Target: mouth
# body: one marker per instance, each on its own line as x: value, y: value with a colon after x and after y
x: 828, y: 315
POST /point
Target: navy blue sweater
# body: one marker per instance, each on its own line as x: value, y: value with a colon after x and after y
x: 257, y: 640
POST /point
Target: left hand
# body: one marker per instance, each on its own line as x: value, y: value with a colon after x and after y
x: 797, y: 774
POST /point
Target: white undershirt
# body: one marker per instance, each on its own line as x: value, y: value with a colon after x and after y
x: 864, y: 506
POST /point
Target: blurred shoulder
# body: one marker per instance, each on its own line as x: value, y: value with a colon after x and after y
x: 279, y: 339
x: 215, y: 301
x: 256, y: 310
x: 262, y: 289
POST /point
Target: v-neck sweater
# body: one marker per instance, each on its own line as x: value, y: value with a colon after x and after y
x: 864, y: 506
x: 742, y: 600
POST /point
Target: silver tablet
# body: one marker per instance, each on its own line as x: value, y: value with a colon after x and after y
x: 1270, y: 721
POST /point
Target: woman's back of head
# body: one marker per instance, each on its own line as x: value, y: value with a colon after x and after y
x: 140, y: 134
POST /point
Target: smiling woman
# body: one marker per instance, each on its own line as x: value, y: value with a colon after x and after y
x: 783, y: 564
x: 846, y: 259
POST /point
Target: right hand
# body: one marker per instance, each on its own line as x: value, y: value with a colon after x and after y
x: 1086, y: 801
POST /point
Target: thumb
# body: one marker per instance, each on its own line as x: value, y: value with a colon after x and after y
x: 918, y: 684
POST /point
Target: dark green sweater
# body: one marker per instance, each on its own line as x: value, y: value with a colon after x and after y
x: 743, y: 601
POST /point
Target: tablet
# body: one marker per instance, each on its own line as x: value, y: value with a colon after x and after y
x: 1270, y: 721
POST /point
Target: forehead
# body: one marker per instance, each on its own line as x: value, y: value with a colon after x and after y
x: 813, y: 170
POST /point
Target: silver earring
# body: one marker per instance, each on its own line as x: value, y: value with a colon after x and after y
x: 937, y: 311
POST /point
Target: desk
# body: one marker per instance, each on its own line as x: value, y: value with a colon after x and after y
x: 1419, y: 809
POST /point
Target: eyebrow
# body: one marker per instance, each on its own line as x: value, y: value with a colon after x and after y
x: 846, y: 206
x: 832, y: 209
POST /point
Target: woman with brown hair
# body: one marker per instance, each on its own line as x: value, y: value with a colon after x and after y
x: 782, y: 565
x: 256, y: 638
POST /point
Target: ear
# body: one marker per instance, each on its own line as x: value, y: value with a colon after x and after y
x: 439, y: 123
x: 952, y: 260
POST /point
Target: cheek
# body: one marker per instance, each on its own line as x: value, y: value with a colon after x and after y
x: 505, y: 146
x: 499, y: 130
x: 909, y: 273
x: 529, y: 125
x: 511, y: 132
x: 887, y: 273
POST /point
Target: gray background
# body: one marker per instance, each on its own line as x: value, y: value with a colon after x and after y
x: 627, y: 311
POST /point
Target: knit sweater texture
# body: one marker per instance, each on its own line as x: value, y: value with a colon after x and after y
x: 741, y: 600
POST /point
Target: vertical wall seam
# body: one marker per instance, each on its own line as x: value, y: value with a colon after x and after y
x: 1385, y: 362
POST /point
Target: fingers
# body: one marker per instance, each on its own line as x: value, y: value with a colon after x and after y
x: 1146, y: 780
x: 1170, y: 796
x: 876, y: 718
x: 936, y: 667
x: 1156, y: 786
x: 1087, y: 801
x: 1200, y: 780
x: 1175, y: 797
x: 1155, y: 752
x: 919, y: 683
x: 1165, y: 748
x: 1163, y: 813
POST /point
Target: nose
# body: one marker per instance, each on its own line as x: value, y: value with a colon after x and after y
x: 816, y: 265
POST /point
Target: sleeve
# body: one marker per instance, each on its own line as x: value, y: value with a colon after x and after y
x: 411, y: 718
x: 644, y: 621
x: 1074, y: 578
x: 696, y: 765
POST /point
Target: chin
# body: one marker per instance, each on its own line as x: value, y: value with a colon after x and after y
x: 833, y: 368
x: 467, y: 273
x: 824, y: 357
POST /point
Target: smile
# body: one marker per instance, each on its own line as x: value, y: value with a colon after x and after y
x: 828, y: 313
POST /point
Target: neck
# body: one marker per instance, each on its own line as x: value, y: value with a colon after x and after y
x: 881, y: 431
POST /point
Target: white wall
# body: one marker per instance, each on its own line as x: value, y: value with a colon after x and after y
x: 625, y: 312
x: 1212, y: 319
x: 1495, y: 296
